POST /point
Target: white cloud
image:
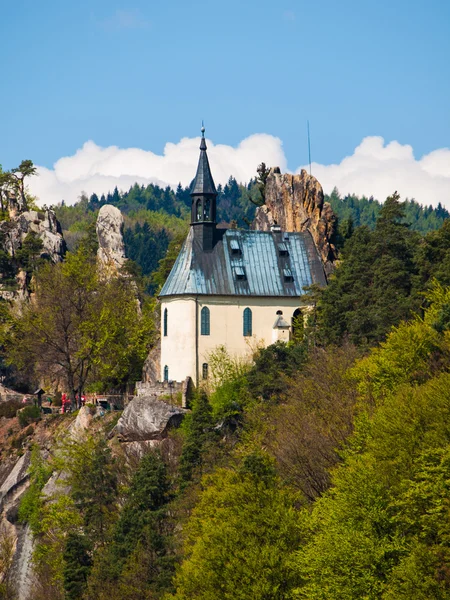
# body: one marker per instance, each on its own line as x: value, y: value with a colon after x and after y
x: 374, y: 169
x: 378, y: 169
x: 95, y: 169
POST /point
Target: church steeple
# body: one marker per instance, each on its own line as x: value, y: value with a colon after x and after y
x: 204, y: 194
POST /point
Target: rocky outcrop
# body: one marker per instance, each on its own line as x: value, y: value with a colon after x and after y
x: 295, y: 203
x: 14, y: 482
x: 111, y: 250
x: 146, y: 418
x: 43, y: 223
x: 81, y: 423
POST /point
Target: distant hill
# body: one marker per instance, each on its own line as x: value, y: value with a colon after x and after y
x: 365, y: 211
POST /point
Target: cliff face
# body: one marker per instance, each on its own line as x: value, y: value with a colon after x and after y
x: 295, y: 203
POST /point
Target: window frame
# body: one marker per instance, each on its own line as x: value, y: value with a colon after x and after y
x: 247, y: 322
x: 205, y: 321
x: 205, y: 371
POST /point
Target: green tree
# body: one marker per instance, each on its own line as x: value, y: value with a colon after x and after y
x: 80, y: 328
x: 240, y: 538
x: 198, y: 428
x: 137, y: 555
x: 380, y: 531
x: 18, y: 174
x: 28, y: 256
x: 77, y: 565
x: 374, y: 287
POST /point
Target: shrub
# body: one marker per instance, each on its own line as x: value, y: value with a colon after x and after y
x: 9, y: 408
x: 28, y: 415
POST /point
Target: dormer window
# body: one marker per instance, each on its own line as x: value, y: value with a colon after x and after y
x: 239, y: 273
x: 282, y: 249
x: 288, y: 277
x: 235, y: 248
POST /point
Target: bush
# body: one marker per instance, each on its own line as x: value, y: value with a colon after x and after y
x: 9, y: 408
x: 29, y: 415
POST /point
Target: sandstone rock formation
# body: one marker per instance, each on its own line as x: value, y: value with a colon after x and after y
x: 146, y: 418
x: 14, y: 480
x: 111, y: 251
x: 43, y: 223
x: 295, y: 203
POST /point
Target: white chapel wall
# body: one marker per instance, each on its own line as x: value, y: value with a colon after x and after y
x: 226, y: 328
x: 178, y: 346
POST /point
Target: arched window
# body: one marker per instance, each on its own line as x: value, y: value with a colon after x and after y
x: 205, y: 321
x: 207, y: 211
x: 205, y: 370
x: 199, y: 210
x: 247, y: 322
x: 165, y: 321
x: 166, y: 373
x: 297, y: 324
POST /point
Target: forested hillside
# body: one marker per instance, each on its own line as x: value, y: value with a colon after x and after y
x: 365, y: 211
x: 316, y: 469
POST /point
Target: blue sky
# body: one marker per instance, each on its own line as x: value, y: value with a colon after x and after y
x: 140, y: 74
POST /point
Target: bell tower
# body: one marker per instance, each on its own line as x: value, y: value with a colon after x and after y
x: 204, y: 194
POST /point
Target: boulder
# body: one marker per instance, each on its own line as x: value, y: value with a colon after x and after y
x: 111, y: 249
x: 147, y: 418
x: 296, y: 203
x: 82, y: 422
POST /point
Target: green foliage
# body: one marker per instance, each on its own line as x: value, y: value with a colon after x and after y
x: 31, y: 503
x: 380, y: 531
x: 365, y: 211
x: 411, y: 354
x: 91, y: 473
x: 77, y: 565
x: 137, y: 555
x: 267, y: 377
x: 28, y: 415
x: 239, y: 539
x: 198, y: 430
x: 28, y: 256
x: 308, y: 431
x: 375, y: 286
x: 228, y: 384
x: 87, y: 328
x: 433, y: 256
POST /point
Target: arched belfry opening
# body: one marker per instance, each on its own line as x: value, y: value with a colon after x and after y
x: 204, y: 194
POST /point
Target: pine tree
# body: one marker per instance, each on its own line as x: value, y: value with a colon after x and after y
x: 198, y: 434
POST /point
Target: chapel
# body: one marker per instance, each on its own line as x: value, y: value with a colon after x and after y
x: 230, y: 287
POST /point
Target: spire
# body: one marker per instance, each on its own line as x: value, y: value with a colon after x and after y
x: 203, y: 182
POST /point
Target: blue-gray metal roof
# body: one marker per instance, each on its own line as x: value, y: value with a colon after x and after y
x: 196, y: 272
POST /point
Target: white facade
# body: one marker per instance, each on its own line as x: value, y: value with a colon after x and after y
x: 185, y: 350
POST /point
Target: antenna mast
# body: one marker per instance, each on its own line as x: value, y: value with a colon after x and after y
x: 309, y: 147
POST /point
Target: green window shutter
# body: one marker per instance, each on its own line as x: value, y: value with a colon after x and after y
x: 205, y: 321
x: 247, y: 322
